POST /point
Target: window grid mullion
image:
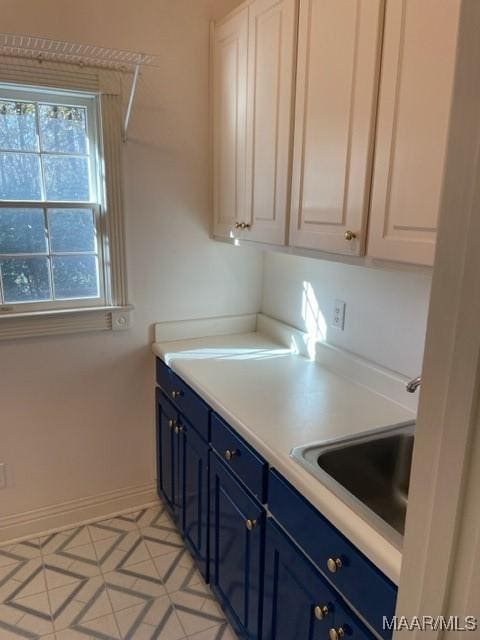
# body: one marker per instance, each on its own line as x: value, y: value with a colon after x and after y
x: 42, y: 172
x: 49, y: 249
x: 60, y: 154
x: 2, y: 296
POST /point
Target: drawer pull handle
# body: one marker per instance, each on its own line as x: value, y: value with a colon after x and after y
x: 336, y: 634
x: 250, y: 524
x: 242, y: 225
x: 229, y: 454
x: 176, y: 394
x: 334, y: 564
x: 321, y: 611
x: 172, y: 424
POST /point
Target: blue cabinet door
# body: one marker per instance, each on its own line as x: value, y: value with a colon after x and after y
x: 299, y: 604
x: 167, y: 451
x: 193, y: 456
x: 237, y: 524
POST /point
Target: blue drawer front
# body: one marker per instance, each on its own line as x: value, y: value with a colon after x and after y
x: 359, y: 581
x: 245, y: 462
x: 185, y: 399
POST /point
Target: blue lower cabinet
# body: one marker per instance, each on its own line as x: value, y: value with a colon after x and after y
x: 291, y: 577
x: 237, y: 527
x: 167, y: 451
x: 193, y: 463
x: 298, y: 602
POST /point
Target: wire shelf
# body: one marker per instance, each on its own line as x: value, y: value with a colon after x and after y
x: 73, y: 53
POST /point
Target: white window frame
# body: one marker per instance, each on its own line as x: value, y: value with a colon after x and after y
x: 110, y: 311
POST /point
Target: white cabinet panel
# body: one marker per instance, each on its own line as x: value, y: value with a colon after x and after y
x: 271, y: 51
x: 230, y: 43
x: 414, y: 108
x: 337, y: 78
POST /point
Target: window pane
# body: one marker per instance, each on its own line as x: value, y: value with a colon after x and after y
x: 72, y: 230
x: 20, y: 176
x: 63, y: 128
x: 22, y: 231
x: 66, y: 178
x: 25, y: 279
x: 18, y: 129
x: 75, y: 277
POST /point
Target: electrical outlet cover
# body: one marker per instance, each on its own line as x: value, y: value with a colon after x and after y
x: 338, y: 316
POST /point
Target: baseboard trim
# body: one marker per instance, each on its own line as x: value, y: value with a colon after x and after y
x: 36, y: 522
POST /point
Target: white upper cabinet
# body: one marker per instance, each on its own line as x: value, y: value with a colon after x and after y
x: 230, y: 42
x: 414, y: 108
x: 271, y: 54
x: 357, y: 143
x: 253, y: 65
x: 337, y: 82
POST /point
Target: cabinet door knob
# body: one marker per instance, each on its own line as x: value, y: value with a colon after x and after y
x: 349, y: 235
x: 250, y: 524
x: 336, y: 634
x: 333, y: 564
x: 229, y: 454
x: 172, y: 424
x: 176, y: 394
x: 321, y: 611
x: 178, y: 429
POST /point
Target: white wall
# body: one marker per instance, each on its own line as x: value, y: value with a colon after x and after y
x: 76, y: 413
x: 386, y: 311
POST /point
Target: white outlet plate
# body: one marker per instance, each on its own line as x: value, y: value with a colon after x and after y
x: 338, y: 316
x: 3, y: 475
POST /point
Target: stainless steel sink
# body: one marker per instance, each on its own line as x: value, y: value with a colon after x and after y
x: 369, y: 472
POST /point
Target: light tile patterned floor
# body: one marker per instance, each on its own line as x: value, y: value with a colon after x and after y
x: 127, y: 578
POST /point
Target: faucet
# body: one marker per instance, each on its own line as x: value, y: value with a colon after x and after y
x: 413, y: 385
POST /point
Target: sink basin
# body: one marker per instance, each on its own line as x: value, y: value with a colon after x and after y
x: 369, y: 472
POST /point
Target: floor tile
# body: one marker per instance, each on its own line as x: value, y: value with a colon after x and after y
x: 24, y: 550
x: 177, y: 570
x: 24, y: 579
x: 61, y: 572
x: 119, y: 553
x: 27, y: 616
x: 197, y: 612
x: 65, y: 541
x: 142, y: 577
x: 77, y: 603
x: 128, y: 577
x: 155, y: 619
x: 220, y: 632
x: 154, y: 516
x: 104, y: 628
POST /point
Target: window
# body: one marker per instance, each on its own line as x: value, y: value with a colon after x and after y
x: 53, y: 244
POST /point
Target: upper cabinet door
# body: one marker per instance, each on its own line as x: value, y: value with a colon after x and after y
x: 414, y: 108
x: 337, y: 81
x: 230, y: 41
x: 271, y: 57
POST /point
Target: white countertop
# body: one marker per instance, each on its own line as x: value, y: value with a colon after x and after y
x: 278, y: 400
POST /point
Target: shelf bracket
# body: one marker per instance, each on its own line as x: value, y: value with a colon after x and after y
x: 131, y: 98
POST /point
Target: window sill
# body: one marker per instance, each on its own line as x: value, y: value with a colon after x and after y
x: 66, y: 321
